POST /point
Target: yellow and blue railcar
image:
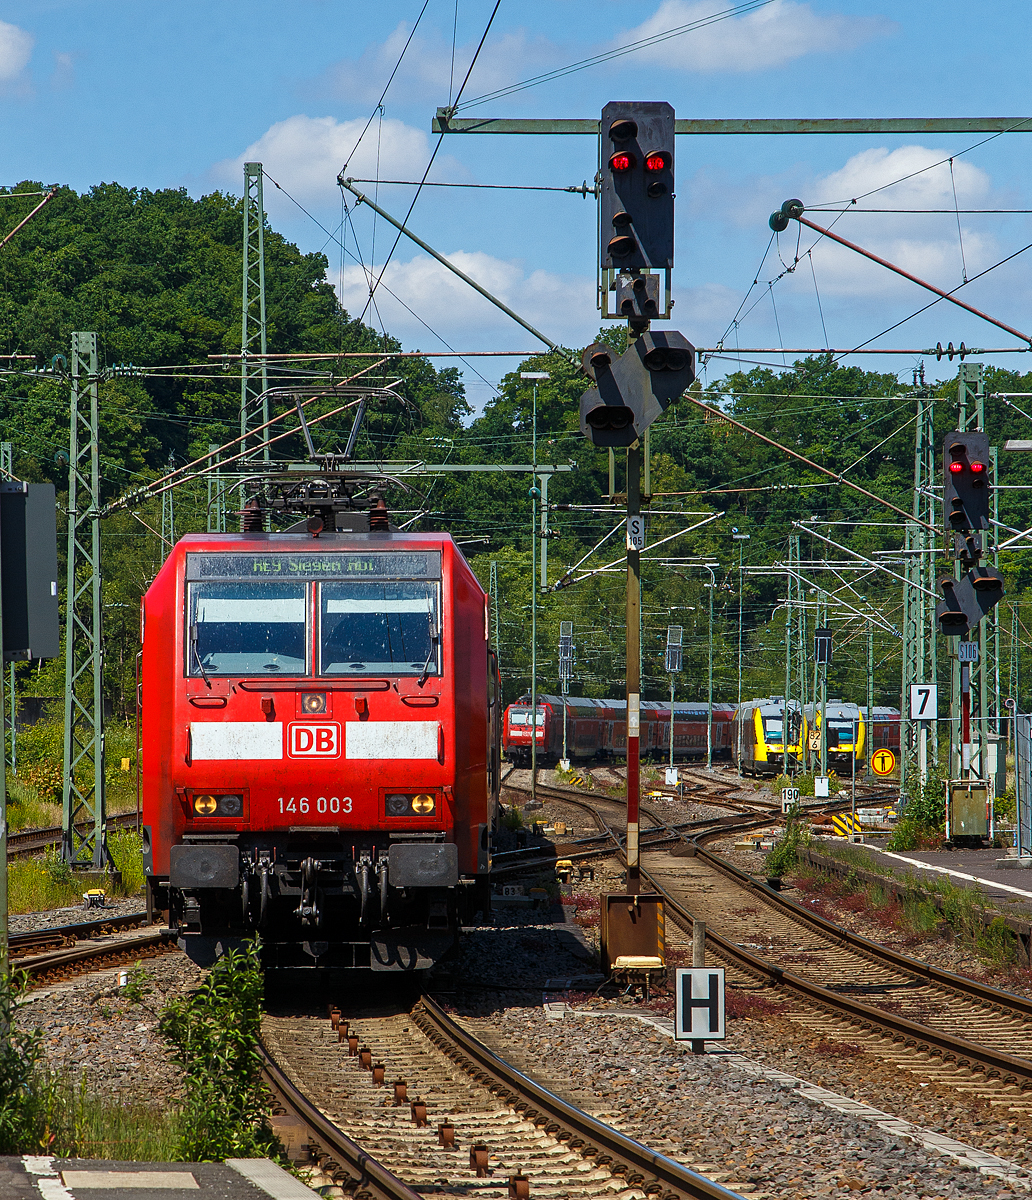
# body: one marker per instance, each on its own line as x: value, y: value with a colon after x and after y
x: 758, y: 736
x: 847, y: 734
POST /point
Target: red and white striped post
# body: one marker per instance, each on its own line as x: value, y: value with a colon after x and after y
x: 635, y: 540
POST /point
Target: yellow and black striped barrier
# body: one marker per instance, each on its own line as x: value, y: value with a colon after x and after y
x: 846, y: 823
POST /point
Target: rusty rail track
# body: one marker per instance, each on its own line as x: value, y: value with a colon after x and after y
x: 55, y: 965
x: 604, y: 1152
x: 58, y: 937
x: 996, y: 1063
x: 24, y: 843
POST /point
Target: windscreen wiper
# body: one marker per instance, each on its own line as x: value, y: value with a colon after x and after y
x: 429, y: 658
x: 197, y: 654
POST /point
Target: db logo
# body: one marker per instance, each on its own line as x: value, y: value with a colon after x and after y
x: 314, y: 741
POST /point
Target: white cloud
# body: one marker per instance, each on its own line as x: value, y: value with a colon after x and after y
x: 305, y: 154
x: 924, y: 179
x: 426, y: 71
x: 561, y: 306
x: 769, y: 37
x: 926, y: 245
x: 15, y: 51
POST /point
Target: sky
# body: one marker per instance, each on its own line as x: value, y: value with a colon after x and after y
x: 181, y: 95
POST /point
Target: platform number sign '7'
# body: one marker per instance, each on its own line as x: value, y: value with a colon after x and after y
x: 924, y: 701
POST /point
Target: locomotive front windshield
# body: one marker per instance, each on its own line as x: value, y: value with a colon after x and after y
x: 247, y: 629
x: 339, y: 613
x: 378, y: 628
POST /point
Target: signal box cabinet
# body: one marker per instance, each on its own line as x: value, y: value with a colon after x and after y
x: 28, y: 571
x: 967, y: 809
x: 631, y: 927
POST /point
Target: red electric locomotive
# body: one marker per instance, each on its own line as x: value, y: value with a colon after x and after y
x: 321, y: 737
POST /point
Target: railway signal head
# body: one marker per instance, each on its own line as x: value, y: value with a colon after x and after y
x: 631, y: 391
x: 636, y: 210
x: 967, y: 600
x: 966, y: 489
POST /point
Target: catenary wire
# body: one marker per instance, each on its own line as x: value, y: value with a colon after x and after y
x: 618, y: 52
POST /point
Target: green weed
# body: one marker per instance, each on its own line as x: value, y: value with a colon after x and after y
x: 785, y: 854
x: 40, y: 884
x: 20, y: 1056
x: 126, y: 847
x: 215, y: 1031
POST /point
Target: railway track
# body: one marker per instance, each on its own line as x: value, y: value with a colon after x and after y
x: 840, y: 985
x: 414, y: 1104
x: 55, y: 955
x: 845, y: 987
x: 19, y: 945
x: 26, y: 842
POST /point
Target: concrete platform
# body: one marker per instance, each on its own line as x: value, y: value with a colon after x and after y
x: 41, y: 1178
x: 1008, y: 888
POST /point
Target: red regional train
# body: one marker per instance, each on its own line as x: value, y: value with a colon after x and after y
x: 321, y: 746
x: 598, y: 729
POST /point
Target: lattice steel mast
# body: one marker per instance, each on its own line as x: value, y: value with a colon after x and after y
x: 254, y: 383
x: 83, y: 799
x: 920, y: 651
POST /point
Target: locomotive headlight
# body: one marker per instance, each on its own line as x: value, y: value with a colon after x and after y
x: 313, y: 702
x: 218, y: 806
x: 422, y: 805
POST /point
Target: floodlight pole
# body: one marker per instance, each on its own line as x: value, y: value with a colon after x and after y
x: 535, y: 492
x: 709, y: 686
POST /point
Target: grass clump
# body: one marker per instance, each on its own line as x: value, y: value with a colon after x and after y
x: 510, y: 817
x: 224, y: 1113
x: 40, y: 884
x: 922, y: 823
x: 805, y: 784
x: 785, y: 854
x: 126, y: 849
x: 20, y: 1056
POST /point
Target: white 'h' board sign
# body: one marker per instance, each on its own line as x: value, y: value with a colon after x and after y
x: 700, y: 1003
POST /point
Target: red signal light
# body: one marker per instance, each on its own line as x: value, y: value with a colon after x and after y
x: 656, y: 161
x: 957, y: 467
x: 977, y: 467
x: 621, y: 161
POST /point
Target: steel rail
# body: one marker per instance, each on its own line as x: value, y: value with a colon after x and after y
x: 986, y: 993
x: 28, y: 841
x: 65, y: 935
x: 37, y: 966
x: 373, y: 1177
x: 1008, y: 1067
x: 658, y: 1174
